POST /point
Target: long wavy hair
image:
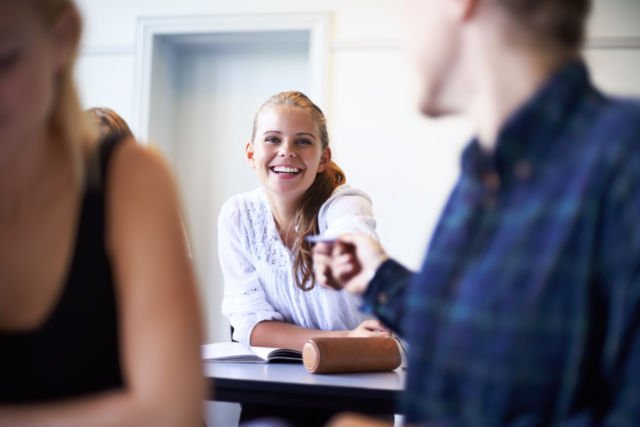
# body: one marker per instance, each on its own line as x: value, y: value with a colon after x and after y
x: 306, y: 217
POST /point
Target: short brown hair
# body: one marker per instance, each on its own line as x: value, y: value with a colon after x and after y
x: 109, y: 123
x: 560, y: 23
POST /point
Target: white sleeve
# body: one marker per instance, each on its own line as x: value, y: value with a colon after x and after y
x: 347, y: 211
x: 244, y: 303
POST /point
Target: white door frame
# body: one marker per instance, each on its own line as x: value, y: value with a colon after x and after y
x: 150, y: 28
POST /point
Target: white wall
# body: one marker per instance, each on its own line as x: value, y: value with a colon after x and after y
x: 405, y: 162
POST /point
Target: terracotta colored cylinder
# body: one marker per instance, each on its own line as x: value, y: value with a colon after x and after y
x: 325, y: 355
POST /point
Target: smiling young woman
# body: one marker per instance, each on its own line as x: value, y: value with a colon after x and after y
x: 270, y: 297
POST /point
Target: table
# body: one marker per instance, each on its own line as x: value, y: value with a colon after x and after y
x: 291, y: 384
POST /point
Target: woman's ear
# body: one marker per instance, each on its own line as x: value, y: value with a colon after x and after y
x: 66, y: 36
x: 324, y: 160
x: 249, y: 151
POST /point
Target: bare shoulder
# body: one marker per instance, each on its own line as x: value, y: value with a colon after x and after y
x: 145, y: 235
x: 142, y: 201
x: 139, y: 165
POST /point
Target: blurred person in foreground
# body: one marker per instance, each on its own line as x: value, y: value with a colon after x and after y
x: 99, y: 320
x: 526, y: 311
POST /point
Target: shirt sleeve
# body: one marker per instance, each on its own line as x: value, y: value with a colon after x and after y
x: 244, y: 302
x: 386, y: 294
x: 347, y: 211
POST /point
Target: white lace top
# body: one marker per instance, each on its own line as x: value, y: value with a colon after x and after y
x: 257, y: 266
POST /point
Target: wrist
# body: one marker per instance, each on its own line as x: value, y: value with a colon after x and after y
x: 374, y: 266
x: 334, y: 334
x: 380, y: 259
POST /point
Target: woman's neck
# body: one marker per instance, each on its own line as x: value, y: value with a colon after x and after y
x: 31, y: 176
x: 284, y: 211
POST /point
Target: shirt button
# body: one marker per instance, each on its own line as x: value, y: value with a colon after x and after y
x: 523, y: 170
x: 382, y: 298
x: 491, y: 181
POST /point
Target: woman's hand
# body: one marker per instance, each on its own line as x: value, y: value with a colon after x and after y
x: 348, y: 263
x: 369, y: 328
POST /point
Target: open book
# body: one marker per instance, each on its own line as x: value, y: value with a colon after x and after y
x: 236, y: 352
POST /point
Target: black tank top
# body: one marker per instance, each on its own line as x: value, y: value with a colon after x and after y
x: 76, y: 350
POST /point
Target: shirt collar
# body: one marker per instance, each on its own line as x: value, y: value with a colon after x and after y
x: 528, y: 133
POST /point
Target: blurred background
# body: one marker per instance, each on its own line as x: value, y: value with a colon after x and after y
x: 189, y: 75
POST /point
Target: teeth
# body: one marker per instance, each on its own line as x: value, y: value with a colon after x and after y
x: 285, y: 169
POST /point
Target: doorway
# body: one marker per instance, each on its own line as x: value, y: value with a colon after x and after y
x: 201, y: 86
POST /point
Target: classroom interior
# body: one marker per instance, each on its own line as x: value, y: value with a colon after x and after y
x: 189, y: 75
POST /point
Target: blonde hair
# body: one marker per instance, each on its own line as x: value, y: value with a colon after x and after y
x: 306, y: 217
x: 68, y: 123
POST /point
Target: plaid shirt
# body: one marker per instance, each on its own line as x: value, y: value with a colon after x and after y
x: 526, y: 311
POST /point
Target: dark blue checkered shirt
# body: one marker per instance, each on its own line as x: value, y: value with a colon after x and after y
x: 526, y: 311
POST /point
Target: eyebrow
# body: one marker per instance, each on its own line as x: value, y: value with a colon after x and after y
x: 306, y: 133
x: 298, y: 134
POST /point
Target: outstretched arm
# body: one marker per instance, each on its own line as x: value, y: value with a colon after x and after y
x: 287, y: 335
x: 359, y: 264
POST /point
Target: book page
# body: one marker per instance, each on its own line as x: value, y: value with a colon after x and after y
x: 263, y: 352
x: 236, y: 352
x: 230, y: 351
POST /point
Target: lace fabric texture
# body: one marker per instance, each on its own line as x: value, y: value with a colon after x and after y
x: 257, y: 266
